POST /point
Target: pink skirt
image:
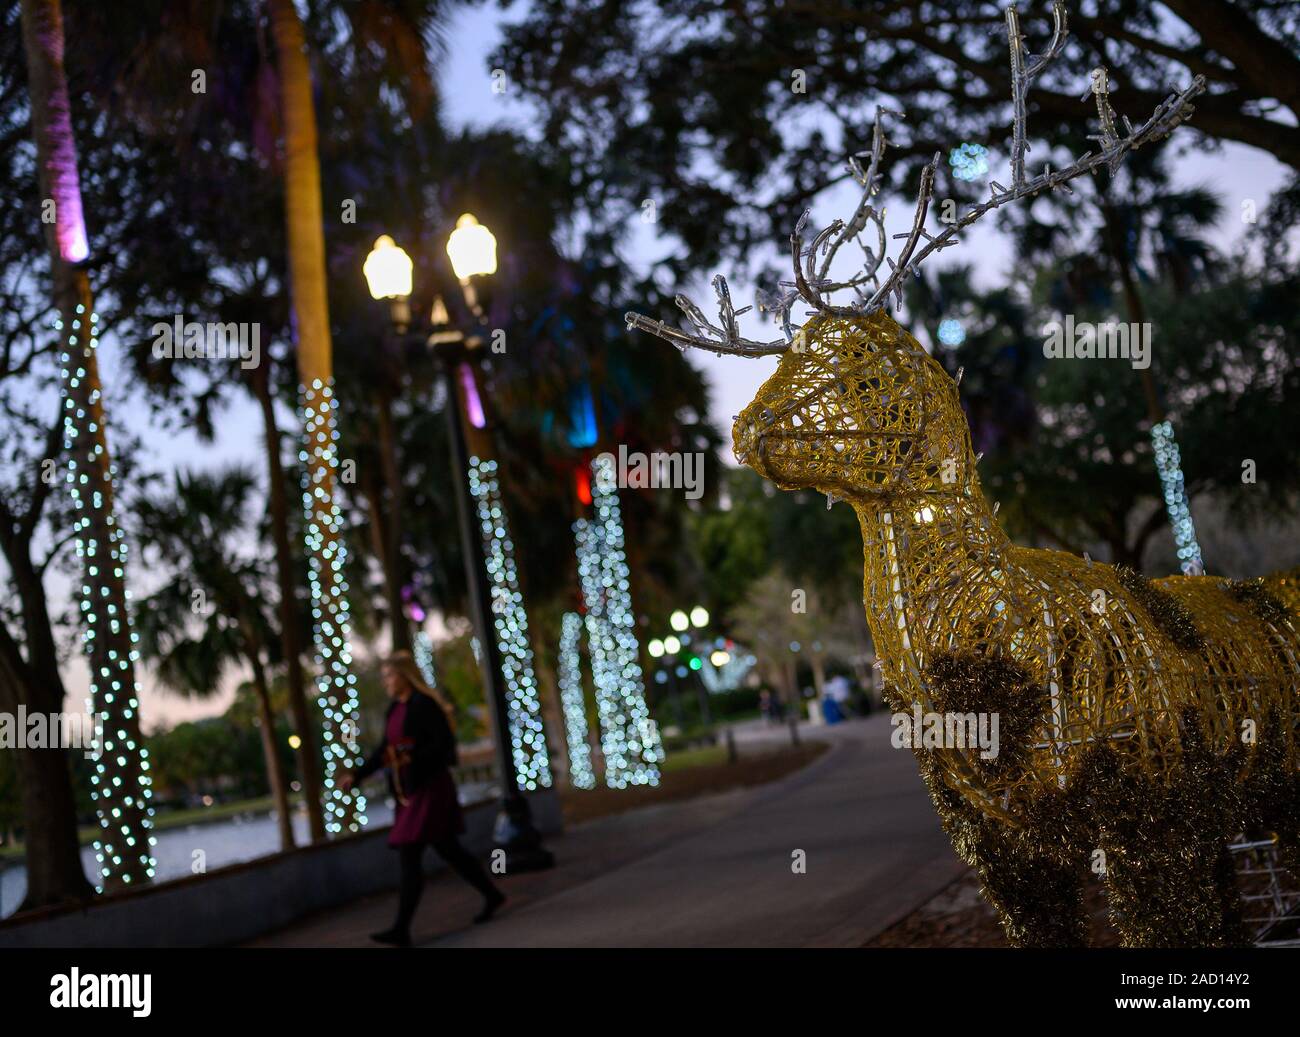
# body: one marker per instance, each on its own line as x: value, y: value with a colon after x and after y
x: 430, y: 814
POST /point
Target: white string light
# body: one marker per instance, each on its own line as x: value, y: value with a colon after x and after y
x: 524, y: 708
x: 327, y: 552
x: 1169, y: 465
x: 571, y: 699
x: 630, y: 741
x: 121, y: 787
x: 424, y: 658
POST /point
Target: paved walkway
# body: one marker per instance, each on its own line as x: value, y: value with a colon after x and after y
x: 713, y: 872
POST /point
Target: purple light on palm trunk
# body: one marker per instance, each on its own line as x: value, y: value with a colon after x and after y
x: 473, y: 405
x: 56, y: 144
x: 70, y: 227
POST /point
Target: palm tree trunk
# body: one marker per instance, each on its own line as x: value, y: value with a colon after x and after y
x: 121, y: 785
x: 274, y: 768
x: 292, y: 651
x: 326, y: 546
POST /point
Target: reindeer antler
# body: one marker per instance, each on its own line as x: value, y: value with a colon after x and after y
x: 812, y: 281
x: 724, y: 339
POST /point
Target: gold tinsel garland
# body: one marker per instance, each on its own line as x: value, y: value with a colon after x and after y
x: 1169, y: 614
x: 1256, y: 597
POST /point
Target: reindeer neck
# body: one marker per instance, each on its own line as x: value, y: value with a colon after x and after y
x: 921, y: 551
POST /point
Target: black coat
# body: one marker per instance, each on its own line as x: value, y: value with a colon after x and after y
x: 433, y: 748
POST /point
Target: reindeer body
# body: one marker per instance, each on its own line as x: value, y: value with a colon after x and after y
x: 864, y: 414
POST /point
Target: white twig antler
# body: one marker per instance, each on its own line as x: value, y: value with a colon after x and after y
x: 724, y: 339
x: 1022, y: 76
x: 812, y: 281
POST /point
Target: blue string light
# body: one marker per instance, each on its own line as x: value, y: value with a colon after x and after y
x: 1169, y: 465
x: 969, y: 161
x: 574, y: 703
x: 951, y: 332
x: 327, y: 552
x: 630, y: 741
x: 121, y: 787
x: 424, y: 658
x: 524, y: 709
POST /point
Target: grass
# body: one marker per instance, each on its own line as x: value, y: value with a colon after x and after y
x: 709, y: 756
x: 699, y: 772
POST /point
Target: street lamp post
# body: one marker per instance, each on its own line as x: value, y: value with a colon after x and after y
x: 681, y: 622
x: 472, y: 250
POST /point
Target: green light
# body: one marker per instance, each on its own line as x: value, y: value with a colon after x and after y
x: 695, y: 663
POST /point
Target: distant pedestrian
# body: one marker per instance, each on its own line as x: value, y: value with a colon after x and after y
x: 831, y: 711
x: 418, y: 749
x: 839, y: 688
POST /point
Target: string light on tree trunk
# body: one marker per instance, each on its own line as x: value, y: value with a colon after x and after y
x: 327, y: 550
x: 1169, y: 465
x: 524, y: 708
x: 573, y: 702
x: 424, y: 658
x: 120, y: 782
x: 630, y: 742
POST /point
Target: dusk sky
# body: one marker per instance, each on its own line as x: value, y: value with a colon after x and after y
x: 1235, y: 173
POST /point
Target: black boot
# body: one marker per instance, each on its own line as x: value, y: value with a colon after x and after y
x: 491, y: 902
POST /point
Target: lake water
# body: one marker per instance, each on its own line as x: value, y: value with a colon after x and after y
x: 236, y: 839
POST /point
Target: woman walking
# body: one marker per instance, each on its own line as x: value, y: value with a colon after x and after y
x: 418, y: 749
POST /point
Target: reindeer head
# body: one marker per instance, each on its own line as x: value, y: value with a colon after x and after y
x: 858, y: 410
x: 856, y: 406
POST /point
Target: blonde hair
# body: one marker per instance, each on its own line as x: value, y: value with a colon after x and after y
x: 403, y: 663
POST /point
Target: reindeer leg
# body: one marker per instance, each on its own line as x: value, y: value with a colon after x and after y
x: 1038, y: 898
x: 1173, y: 888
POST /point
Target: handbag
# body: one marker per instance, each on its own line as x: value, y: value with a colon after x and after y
x: 397, y: 755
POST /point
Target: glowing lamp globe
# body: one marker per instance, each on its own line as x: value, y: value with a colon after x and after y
x: 656, y: 648
x: 699, y: 616
x: 472, y: 249
x: 388, y: 270
x: 678, y: 620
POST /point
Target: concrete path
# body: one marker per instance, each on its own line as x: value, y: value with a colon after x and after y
x: 719, y: 872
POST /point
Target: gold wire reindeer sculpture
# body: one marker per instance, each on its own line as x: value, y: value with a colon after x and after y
x: 1143, y: 724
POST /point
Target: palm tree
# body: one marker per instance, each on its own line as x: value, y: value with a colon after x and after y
x: 194, y: 534
x: 306, y: 241
x: 121, y: 784
x: 402, y: 30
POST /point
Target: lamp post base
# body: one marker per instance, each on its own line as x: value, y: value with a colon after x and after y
x: 514, y: 834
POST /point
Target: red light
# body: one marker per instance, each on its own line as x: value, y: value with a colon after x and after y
x: 583, y: 480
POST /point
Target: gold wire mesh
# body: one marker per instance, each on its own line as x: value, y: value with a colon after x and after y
x: 861, y: 412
